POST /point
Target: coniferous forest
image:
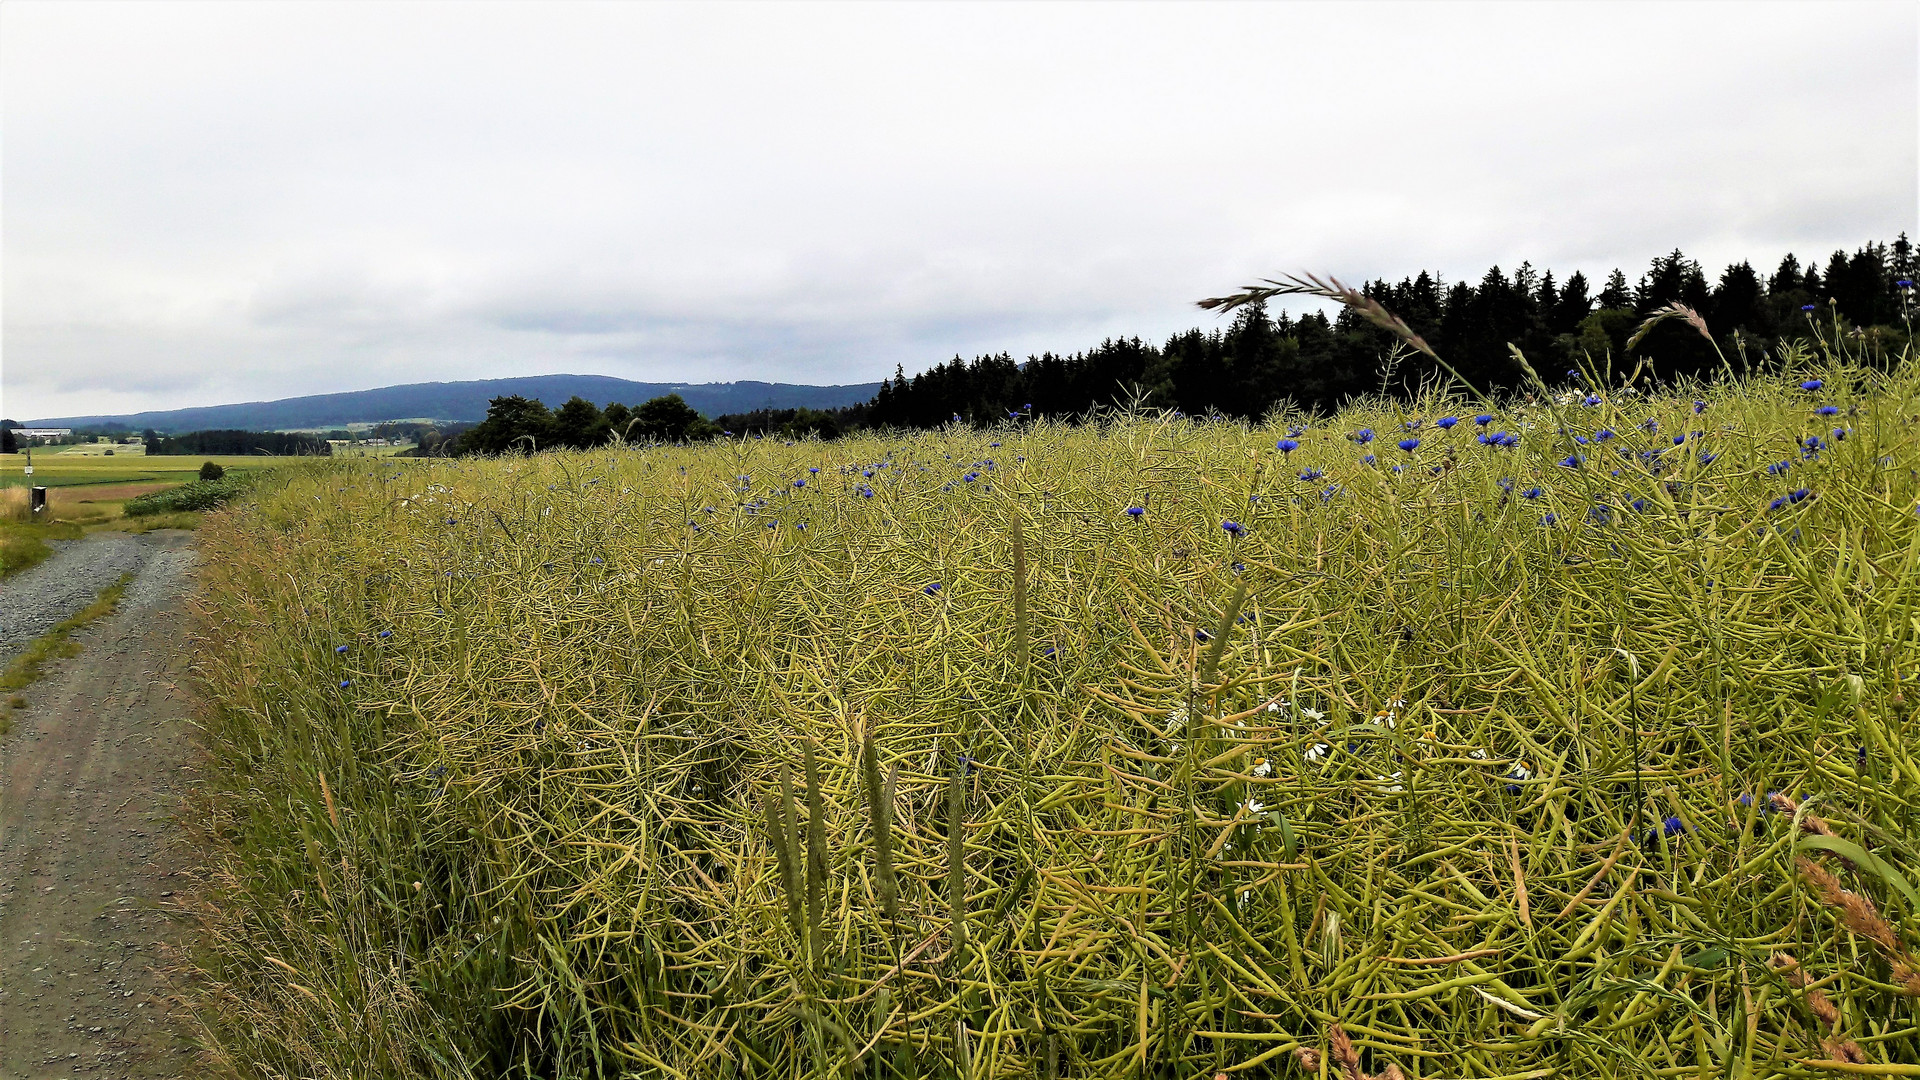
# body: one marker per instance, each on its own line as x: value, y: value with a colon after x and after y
x: 1260, y: 360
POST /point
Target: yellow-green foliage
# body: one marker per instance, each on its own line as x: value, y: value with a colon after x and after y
x: 699, y: 762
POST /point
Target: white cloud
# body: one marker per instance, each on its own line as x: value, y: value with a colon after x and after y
x: 220, y: 202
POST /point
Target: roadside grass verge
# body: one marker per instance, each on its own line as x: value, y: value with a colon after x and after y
x: 182, y: 519
x: 29, y: 665
x: 199, y: 495
x: 23, y: 540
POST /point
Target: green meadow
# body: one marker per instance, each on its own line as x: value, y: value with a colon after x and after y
x: 1564, y: 737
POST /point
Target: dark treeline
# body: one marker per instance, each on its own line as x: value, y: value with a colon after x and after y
x: 238, y: 442
x: 1260, y: 361
x: 523, y: 425
x: 1310, y: 361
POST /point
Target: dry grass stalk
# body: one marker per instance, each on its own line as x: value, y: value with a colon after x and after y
x: 1823, y: 1010
x: 1859, y: 915
x: 1675, y: 310
x: 15, y: 504
x: 1331, y: 289
x: 1856, y: 912
x: 1345, y: 1058
x: 1813, y: 823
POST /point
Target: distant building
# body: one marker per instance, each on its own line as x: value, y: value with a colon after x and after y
x: 42, y: 432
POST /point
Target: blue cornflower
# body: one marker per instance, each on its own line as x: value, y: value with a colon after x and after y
x: 1591, y: 400
x: 1363, y: 436
x: 1411, y: 425
x: 1446, y: 422
x: 1639, y: 506
x: 971, y: 477
x: 800, y: 483
x: 1368, y: 460
x: 1812, y: 445
x: 1504, y: 483
x: 1548, y: 519
x: 1602, y: 435
x: 1672, y: 826
x: 1812, y: 384
x: 1136, y: 511
x: 1904, y: 283
x: 453, y: 521
x: 344, y: 683
x: 1013, y: 416
x: 1483, y: 419
x: 868, y: 473
x: 1572, y: 461
x: 1679, y: 439
x: 1505, y: 439
x: 1779, y: 467
x: 1580, y: 440
x: 386, y: 633
x: 1839, y: 433
x: 813, y: 468
x: 1699, y: 407
x: 1286, y: 446
x: 1708, y: 457
x: 1827, y: 410
x: 1234, y: 528
x: 931, y: 589
x: 1532, y: 493
x: 1806, y: 307
x: 340, y: 648
x: 1651, y: 424
x: 1573, y: 376
x: 1311, y: 474
x: 1201, y: 635
x: 1798, y: 494
x: 1409, y: 445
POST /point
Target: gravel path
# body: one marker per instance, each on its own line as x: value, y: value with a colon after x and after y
x: 32, y: 601
x: 91, y: 859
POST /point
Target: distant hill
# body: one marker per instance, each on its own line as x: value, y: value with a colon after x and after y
x: 455, y: 401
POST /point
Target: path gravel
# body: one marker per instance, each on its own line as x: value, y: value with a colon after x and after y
x: 91, y: 777
x: 32, y: 601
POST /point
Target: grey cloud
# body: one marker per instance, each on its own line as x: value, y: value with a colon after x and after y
x: 237, y: 202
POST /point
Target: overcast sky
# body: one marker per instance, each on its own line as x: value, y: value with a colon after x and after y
x: 228, y: 202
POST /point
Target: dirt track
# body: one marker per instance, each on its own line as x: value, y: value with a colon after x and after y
x: 90, y: 780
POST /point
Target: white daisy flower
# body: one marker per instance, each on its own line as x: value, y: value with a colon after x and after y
x: 1262, y: 767
x: 1316, y: 752
x: 1252, y: 806
x: 1393, y: 783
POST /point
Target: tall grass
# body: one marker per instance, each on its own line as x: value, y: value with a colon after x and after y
x: 937, y: 762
